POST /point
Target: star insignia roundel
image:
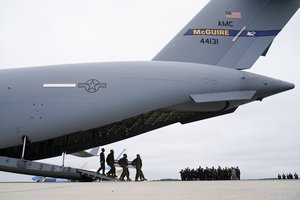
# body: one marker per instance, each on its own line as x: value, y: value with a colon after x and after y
x: 92, y: 85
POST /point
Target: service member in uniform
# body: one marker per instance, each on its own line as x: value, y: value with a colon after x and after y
x: 123, y: 162
x: 138, y: 165
x: 238, y: 173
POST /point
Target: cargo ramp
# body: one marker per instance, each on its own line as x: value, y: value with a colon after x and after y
x: 22, y: 166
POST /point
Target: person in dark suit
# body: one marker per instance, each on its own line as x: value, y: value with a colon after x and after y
x: 102, y: 162
x: 110, y: 159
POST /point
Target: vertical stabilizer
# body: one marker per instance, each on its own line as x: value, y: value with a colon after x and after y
x: 230, y: 33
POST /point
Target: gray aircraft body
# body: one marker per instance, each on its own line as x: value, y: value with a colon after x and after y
x: 198, y: 75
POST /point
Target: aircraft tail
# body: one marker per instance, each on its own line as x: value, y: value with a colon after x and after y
x: 230, y: 33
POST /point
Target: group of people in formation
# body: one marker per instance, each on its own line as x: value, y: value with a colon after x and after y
x: 210, y: 174
x: 288, y: 176
x: 123, y: 162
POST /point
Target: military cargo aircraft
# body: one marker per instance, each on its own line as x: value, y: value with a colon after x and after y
x: 200, y: 74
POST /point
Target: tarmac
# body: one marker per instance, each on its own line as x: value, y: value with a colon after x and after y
x: 231, y: 190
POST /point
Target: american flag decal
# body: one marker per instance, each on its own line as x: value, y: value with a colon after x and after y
x: 233, y: 15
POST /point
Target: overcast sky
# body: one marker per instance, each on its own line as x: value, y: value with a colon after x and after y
x: 262, y: 138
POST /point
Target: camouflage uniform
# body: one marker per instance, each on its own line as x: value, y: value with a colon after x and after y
x: 123, y: 162
x: 138, y: 165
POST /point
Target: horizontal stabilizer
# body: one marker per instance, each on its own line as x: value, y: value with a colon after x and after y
x: 85, y: 154
x: 223, y: 96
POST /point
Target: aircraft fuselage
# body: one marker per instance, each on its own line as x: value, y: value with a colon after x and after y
x: 53, y: 101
